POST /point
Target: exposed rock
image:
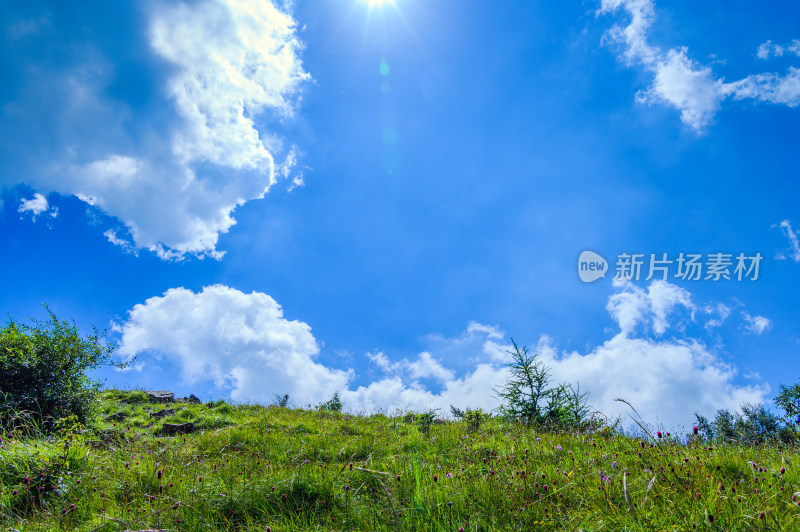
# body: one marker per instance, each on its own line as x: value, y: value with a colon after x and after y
x: 119, y: 416
x: 161, y: 396
x: 163, y: 413
x: 191, y: 399
x: 170, y: 429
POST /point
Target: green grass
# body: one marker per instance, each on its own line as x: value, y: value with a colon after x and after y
x: 253, y: 467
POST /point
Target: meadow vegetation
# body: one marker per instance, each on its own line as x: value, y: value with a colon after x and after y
x: 549, y: 466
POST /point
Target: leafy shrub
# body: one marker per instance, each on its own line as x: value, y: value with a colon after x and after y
x: 423, y: 421
x: 43, y: 371
x: 475, y: 418
x: 281, y: 401
x: 334, y: 404
x: 528, y: 398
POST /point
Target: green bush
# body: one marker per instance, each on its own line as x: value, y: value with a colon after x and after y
x: 43, y: 372
x: 423, y: 420
x: 528, y: 397
x: 475, y: 418
x: 334, y: 404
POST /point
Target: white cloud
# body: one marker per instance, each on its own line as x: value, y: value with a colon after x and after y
x: 632, y: 305
x: 36, y: 206
x: 383, y: 362
x: 768, y: 49
x: 687, y: 85
x: 234, y: 59
x: 490, y: 331
x: 240, y: 341
x: 230, y: 61
x: 288, y: 170
x: 245, y: 345
x: 162, y: 215
x: 756, y: 324
x: 423, y: 367
x: 794, y: 240
x: 722, y: 312
x: 477, y: 338
x: 667, y: 381
x: 474, y: 389
x: 112, y: 237
x: 770, y: 88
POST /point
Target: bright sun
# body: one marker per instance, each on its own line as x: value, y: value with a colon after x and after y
x: 376, y: 3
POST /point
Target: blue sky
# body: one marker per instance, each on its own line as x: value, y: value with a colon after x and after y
x: 373, y: 198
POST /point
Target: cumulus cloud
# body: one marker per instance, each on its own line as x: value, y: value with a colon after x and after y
x: 794, y: 241
x: 36, y: 206
x: 240, y: 341
x: 685, y: 84
x: 474, y: 389
x: 666, y: 380
x: 231, y: 61
x: 248, y: 348
x: 234, y: 59
x: 423, y: 367
x: 631, y: 305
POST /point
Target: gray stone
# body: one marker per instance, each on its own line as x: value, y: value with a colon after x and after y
x: 170, y: 429
x: 163, y: 413
x: 119, y: 416
x: 191, y: 399
x: 161, y: 396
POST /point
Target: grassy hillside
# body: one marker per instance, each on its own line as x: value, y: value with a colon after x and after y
x: 279, y: 469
